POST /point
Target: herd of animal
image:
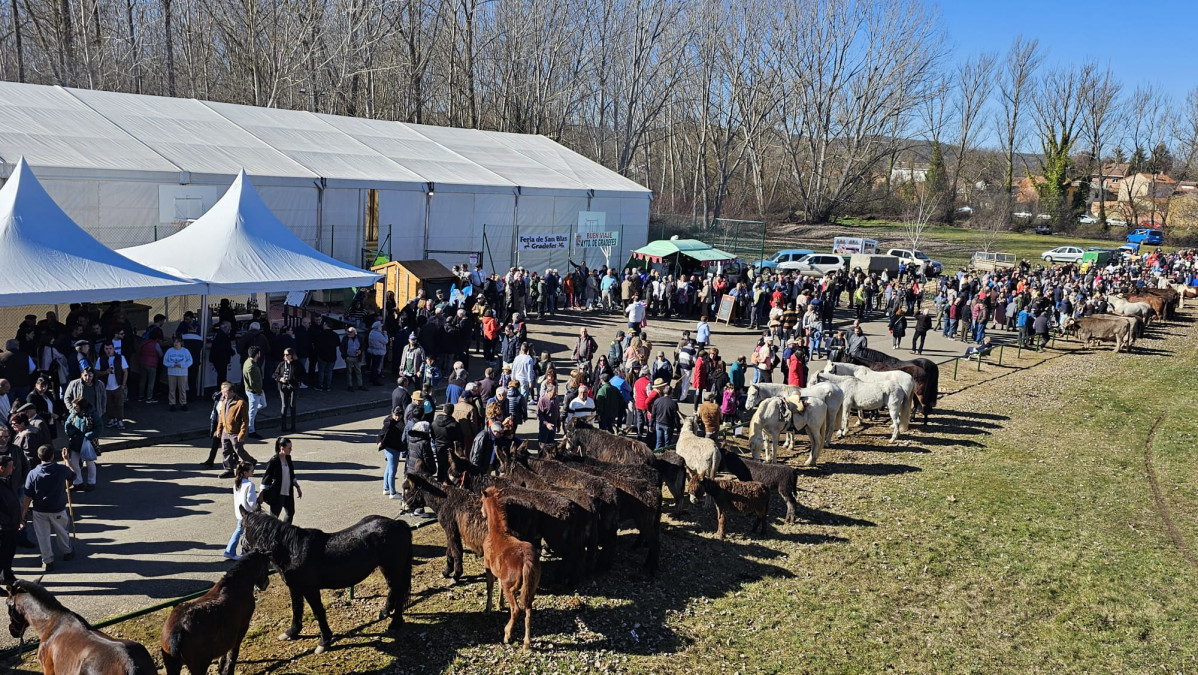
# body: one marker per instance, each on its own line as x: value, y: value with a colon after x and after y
x: 571, y: 497
x: 1127, y: 316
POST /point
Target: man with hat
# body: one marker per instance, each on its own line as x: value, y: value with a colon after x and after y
x: 663, y: 412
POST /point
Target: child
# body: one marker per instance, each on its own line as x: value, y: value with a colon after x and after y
x: 245, y: 496
x: 429, y: 372
x: 729, y: 403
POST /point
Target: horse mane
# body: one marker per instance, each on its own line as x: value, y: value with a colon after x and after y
x: 490, y: 498
x: 44, y: 597
x: 241, y: 569
x: 874, y: 356
x: 273, y: 536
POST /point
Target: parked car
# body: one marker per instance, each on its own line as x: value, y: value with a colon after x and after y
x: 1022, y: 214
x: 1044, y: 217
x: 1116, y: 222
x: 1043, y: 228
x: 816, y: 264
x: 916, y: 257
x: 1069, y: 254
x: 967, y: 210
x: 787, y: 255
x: 1087, y: 220
x: 1147, y: 236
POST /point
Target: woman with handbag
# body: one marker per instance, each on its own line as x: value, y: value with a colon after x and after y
x: 288, y: 375
x: 279, y: 486
x: 82, y: 438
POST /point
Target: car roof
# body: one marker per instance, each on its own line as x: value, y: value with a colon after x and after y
x: 804, y: 251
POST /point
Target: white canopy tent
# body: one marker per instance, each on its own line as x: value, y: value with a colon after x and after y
x: 48, y: 259
x: 239, y: 246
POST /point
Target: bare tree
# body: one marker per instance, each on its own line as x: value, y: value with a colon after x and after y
x: 853, y: 73
x: 918, y: 214
x: 1186, y: 131
x: 970, y: 92
x: 1100, y: 111
x: 1015, y: 81
x: 1056, y: 110
x: 1148, y: 123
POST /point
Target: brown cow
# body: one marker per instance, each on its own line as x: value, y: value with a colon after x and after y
x: 1136, y: 323
x: 1156, y: 302
x: 1096, y: 328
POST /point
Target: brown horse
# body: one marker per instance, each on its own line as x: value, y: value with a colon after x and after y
x: 514, y: 562
x: 213, y: 626
x: 67, y: 642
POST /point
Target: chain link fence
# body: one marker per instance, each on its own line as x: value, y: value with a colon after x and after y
x: 743, y: 238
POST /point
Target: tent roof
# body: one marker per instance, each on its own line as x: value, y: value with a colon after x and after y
x: 239, y: 246
x: 67, y: 133
x: 48, y: 259
x: 692, y: 248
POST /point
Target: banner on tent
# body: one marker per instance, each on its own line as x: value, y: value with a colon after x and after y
x: 543, y: 242
x: 596, y: 239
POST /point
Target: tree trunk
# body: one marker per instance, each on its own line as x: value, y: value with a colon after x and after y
x: 169, y: 43
x: 16, y: 31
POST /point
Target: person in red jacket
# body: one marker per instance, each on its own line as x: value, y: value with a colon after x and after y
x: 490, y: 328
x: 796, y: 370
x: 699, y: 376
x: 640, y: 401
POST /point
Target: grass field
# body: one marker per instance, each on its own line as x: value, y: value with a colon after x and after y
x: 1045, y: 522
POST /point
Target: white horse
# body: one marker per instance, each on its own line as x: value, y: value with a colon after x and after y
x: 778, y: 415
x: 865, y: 374
x: 827, y: 392
x: 1140, y: 309
x: 864, y: 395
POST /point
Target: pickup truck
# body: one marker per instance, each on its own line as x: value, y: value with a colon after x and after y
x: 916, y: 257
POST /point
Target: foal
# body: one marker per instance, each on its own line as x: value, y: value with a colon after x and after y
x: 213, y: 626
x: 514, y: 562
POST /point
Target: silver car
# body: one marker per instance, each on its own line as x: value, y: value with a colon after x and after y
x: 1068, y: 254
x: 816, y: 264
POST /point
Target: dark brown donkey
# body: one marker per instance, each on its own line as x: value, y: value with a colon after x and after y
x: 213, y: 626
x: 68, y: 643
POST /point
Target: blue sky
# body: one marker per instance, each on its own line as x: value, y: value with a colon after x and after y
x: 1142, y: 41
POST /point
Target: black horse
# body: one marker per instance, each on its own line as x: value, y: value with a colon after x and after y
x: 310, y: 560
x: 925, y: 372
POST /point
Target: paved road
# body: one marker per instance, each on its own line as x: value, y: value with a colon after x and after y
x: 157, y: 524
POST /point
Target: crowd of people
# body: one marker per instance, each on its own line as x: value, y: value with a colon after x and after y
x: 63, y: 383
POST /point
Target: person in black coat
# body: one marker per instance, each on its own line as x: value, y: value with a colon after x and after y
x: 446, y: 434
x: 898, y: 326
x: 421, y: 458
x: 289, y: 374
x: 222, y: 352
x: 279, y: 486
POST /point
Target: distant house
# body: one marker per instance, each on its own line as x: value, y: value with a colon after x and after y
x: 1146, y: 185
x: 1027, y: 189
x: 1110, y: 176
x: 909, y: 174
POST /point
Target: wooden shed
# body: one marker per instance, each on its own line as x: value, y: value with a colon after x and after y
x: 407, y: 277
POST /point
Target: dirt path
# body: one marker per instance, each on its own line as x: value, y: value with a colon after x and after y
x: 1158, y: 498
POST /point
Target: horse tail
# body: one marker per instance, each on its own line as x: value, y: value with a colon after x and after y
x: 530, y: 578
x: 171, y: 660
x: 931, y: 388
x: 908, y: 404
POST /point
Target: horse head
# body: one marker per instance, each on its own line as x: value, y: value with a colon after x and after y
x: 15, y: 592
x: 752, y: 397
x: 694, y: 485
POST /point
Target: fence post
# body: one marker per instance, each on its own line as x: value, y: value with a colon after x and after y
x: 1000, y: 354
x: 979, y: 362
x: 956, y: 362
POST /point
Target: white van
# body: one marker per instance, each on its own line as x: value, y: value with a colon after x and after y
x: 851, y: 245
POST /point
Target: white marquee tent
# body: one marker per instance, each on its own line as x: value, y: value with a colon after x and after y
x: 49, y: 259
x: 239, y: 246
x: 134, y: 169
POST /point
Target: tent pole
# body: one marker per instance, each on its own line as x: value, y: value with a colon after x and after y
x: 205, y: 327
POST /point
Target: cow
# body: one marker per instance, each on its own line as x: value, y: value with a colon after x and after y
x: 1158, y: 304
x: 1183, y: 291
x: 1094, y: 328
x: 1136, y: 323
